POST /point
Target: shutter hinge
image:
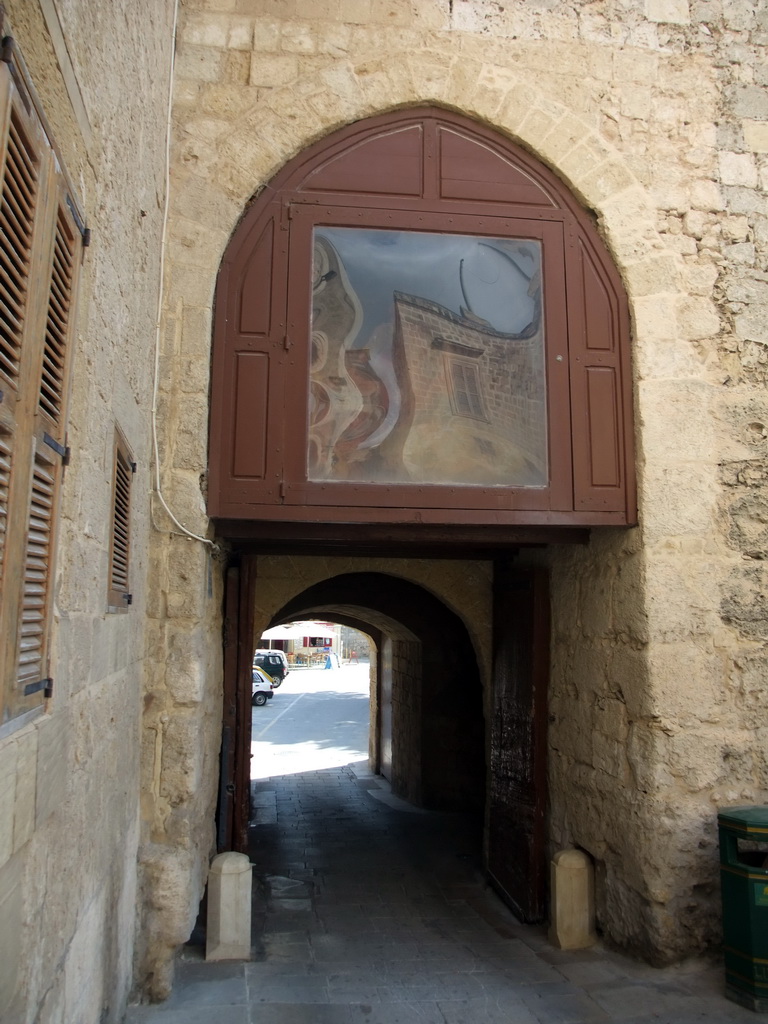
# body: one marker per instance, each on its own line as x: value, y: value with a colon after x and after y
x: 286, y: 214
x: 282, y: 489
x: 287, y: 343
x: 133, y: 467
x: 85, y: 233
x: 60, y: 449
x: 46, y: 685
x: 6, y: 50
x: 128, y: 598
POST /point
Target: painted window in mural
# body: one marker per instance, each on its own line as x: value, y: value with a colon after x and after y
x: 427, y: 361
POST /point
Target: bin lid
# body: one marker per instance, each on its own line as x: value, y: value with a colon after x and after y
x: 750, y: 819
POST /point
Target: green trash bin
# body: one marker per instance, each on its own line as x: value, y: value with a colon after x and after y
x: 744, y: 884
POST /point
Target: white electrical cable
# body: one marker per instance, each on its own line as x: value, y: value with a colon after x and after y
x: 166, y: 203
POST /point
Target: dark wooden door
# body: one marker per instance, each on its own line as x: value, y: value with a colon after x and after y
x: 518, y: 784
x: 235, y: 764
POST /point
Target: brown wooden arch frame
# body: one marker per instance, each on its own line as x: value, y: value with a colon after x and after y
x: 432, y: 171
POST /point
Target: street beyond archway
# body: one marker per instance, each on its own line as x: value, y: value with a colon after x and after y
x: 318, y: 718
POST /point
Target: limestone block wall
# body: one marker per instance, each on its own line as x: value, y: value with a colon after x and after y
x: 659, y: 649
x: 656, y: 116
x: 69, y: 779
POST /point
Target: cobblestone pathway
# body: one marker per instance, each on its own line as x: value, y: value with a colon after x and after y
x: 367, y: 911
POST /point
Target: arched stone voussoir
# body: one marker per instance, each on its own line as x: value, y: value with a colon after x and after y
x: 294, y: 116
x: 628, y: 225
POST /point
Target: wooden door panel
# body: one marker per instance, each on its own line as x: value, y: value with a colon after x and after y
x: 251, y: 418
x: 254, y: 292
x: 247, y: 385
x: 600, y: 402
x: 225, y: 811
x: 245, y: 647
x: 235, y: 758
x: 603, y: 419
x: 518, y: 795
x: 388, y: 165
x: 469, y: 171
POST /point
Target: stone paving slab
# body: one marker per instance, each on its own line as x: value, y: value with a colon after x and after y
x: 365, y: 913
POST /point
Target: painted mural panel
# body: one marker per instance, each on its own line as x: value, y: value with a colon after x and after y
x: 427, y: 361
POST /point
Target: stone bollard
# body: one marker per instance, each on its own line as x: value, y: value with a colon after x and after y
x: 573, y: 901
x: 228, y: 929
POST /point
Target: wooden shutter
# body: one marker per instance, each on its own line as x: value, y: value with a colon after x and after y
x: 26, y: 169
x: 19, y: 181
x: 247, y: 386
x: 6, y: 454
x: 599, y: 386
x: 17, y: 215
x: 31, y: 660
x: 16, y: 221
x: 19, y: 191
x: 120, y: 540
x: 52, y: 382
x: 40, y: 244
x: 49, y: 452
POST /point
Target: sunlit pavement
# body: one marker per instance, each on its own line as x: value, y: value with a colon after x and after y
x: 318, y: 718
x: 368, y: 911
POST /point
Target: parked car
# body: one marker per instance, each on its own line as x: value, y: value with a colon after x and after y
x: 261, y: 687
x: 274, y: 663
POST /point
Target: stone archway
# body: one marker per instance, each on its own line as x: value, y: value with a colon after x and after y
x: 438, y: 729
x: 599, y: 592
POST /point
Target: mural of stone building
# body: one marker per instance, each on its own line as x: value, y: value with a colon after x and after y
x: 478, y: 400
x: 655, y: 117
x: 416, y: 391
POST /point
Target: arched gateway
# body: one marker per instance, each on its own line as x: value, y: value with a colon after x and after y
x: 421, y: 351
x: 416, y: 317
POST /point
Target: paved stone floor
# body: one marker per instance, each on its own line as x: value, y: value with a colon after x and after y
x: 367, y: 911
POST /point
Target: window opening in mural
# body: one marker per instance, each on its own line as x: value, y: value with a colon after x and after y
x: 427, y: 361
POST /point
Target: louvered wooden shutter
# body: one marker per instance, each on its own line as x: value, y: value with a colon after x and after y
x: 52, y: 390
x: 39, y: 258
x: 31, y: 675
x: 26, y: 170
x: 120, y: 544
x: 18, y: 198
x: 6, y: 454
x: 49, y: 454
x: 17, y: 213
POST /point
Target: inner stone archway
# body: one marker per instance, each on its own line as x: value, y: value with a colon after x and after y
x: 277, y: 380
x: 428, y: 671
